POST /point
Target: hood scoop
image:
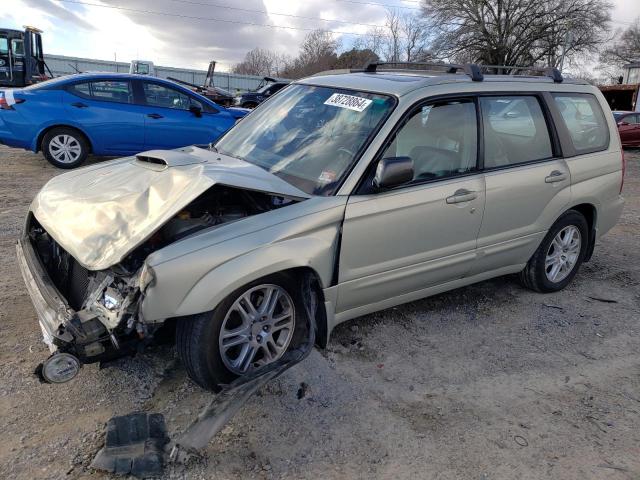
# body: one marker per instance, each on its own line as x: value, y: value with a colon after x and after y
x: 100, y: 213
x: 161, y: 159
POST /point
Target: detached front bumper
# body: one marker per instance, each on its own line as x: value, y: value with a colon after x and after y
x: 54, y: 314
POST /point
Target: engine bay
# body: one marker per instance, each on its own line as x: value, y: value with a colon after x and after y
x: 107, y: 321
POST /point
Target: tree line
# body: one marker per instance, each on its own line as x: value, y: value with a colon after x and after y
x: 489, y: 32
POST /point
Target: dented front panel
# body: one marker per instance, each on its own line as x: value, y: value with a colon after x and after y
x: 101, y: 213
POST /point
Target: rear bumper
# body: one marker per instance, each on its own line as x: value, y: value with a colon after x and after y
x: 53, y: 312
x: 7, y: 137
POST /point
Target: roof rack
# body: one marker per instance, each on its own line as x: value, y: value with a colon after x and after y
x: 474, y: 71
x: 551, y: 72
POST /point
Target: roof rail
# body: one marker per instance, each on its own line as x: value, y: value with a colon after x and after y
x: 474, y: 71
x: 551, y: 72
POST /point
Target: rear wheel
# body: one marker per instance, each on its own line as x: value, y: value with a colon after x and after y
x: 65, y: 147
x: 558, y: 258
x: 254, y: 326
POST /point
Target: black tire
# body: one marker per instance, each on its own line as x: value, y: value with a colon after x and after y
x: 249, y: 105
x: 76, y: 139
x: 197, y: 335
x: 534, y: 276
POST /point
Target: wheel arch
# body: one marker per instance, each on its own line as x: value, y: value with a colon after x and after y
x: 44, y: 131
x: 590, y: 213
x: 313, y: 265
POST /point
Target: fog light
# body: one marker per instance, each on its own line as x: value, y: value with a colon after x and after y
x: 60, y: 368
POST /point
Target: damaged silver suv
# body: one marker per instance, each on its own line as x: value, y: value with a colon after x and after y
x: 342, y: 195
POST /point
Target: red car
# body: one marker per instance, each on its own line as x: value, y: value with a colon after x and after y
x: 628, y: 127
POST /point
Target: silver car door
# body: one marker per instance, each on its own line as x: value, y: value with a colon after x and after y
x: 528, y: 185
x: 397, y: 243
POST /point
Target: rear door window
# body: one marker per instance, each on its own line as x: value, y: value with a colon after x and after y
x: 585, y: 121
x: 104, y: 90
x: 515, y: 131
x: 4, y: 45
x: 112, y: 91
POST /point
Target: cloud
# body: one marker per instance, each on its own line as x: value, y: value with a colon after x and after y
x: 59, y: 12
x: 188, y: 33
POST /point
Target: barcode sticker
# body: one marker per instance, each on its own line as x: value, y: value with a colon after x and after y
x: 357, y: 104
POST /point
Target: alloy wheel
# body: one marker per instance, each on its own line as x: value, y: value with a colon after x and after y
x: 562, y: 255
x: 257, y: 329
x: 65, y: 148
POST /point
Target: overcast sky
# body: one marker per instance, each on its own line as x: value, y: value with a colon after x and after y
x: 190, y: 33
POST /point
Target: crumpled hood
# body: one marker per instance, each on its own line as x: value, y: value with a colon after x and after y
x: 99, y: 214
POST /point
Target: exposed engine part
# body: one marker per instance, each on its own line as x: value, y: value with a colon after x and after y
x: 106, y: 321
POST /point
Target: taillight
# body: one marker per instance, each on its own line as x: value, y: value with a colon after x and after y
x: 4, y: 104
x: 624, y: 168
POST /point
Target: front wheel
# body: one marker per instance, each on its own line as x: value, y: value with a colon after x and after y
x: 559, y: 256
x: 65, y: 147
x: 254, y: 326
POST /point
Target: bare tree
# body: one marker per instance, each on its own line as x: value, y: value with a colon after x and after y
x: 318, y: 52
x: 415, y: 33
x: 517, y: 32
x: 374, y: 41
x: 403, y: 37
x: 263, y: 63
x: 256, y: 62
x: 393, y: 32
x: 625, y: 48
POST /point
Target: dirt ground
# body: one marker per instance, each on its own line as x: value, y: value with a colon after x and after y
x: 486, y: 382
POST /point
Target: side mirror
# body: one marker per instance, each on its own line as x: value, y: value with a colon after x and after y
x: 393, y: 171
x: 196, y: 110
x: 623, y: 123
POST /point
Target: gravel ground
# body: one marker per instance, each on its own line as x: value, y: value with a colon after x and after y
x: 485, y: 382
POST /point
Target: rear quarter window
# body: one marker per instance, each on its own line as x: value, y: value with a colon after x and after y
x: 584, y: 120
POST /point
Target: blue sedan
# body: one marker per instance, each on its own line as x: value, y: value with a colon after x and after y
x: 108, y: 114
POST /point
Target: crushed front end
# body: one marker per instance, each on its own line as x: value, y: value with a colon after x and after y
x: 90, y: 315
x: 96, y: 315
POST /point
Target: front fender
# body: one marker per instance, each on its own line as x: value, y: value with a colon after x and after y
x: 318, y: 255
x: 196, y: 282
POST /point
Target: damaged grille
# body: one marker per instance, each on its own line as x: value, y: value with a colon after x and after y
x: 70, y: 278
x: 78, y: 284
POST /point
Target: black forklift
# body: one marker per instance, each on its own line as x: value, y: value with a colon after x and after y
x: 21, y: 58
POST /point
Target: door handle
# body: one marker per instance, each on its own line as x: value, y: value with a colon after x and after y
x: 555, y: 176
x: 79, y: 105
x: 154, y: 115
x: 462, y: 195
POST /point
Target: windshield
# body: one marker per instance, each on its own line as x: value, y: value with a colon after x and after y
x: 618, y: 116
x: 310, y: 136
